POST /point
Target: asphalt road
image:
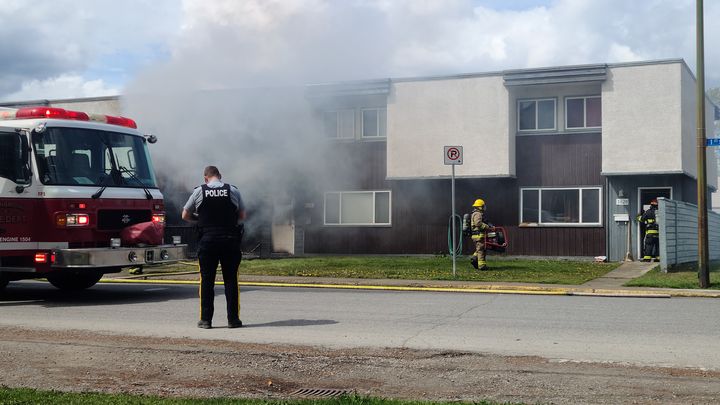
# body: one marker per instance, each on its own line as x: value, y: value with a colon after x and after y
x: 680, y: 332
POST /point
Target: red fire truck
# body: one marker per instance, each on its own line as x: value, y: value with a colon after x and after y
x: 70, y: 182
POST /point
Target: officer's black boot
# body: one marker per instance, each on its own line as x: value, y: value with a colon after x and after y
x: 474, y: 262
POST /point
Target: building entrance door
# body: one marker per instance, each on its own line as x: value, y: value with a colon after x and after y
x: 645, y: 195
x: 283, y: 226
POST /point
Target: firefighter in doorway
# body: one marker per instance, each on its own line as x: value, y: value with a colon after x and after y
x: 477, y: 229
x: 651, y: 243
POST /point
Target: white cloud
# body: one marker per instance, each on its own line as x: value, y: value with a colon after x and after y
x: 44, y: 39
x: 226, y: 43
x: 223, y: 43
x: 64, y: 86
x: 262, y: 45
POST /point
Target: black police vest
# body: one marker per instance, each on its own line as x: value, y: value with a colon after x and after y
x: 217, y: 215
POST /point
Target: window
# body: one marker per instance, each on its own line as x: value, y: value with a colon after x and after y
x: 74, y: 156
x: 536, y: 115
x: 583, y: 112
x: 339, y: 124
x: 357, y: 208
x: 11, y: 157
x: 374, y: 122
x: 560, y: 206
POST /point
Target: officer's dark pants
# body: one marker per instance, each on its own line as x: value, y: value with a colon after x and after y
x: 226, y: 251
x: 652, y: 246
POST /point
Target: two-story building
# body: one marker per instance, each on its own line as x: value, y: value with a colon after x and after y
x: 563, y: 157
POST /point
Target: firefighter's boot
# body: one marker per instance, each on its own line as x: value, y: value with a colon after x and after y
x: 474, y: 262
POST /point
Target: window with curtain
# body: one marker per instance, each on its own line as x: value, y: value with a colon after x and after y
x: 560, y: 206
x: 339, y: 124
x: 583, y: 112
x: 374, y: 122
x: 536, y: 115
x: 357, y: 208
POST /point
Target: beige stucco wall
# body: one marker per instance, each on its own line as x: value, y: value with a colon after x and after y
x: 642, y: 120
x: 425, y: 115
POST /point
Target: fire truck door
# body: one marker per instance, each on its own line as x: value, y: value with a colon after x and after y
x: 15, y: 211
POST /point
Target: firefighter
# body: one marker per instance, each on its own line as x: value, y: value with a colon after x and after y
x: 217, y: 208
x: 651, y: 243
x: 477, y: 232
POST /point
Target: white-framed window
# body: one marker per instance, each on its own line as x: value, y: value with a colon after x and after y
x: 583, y: 112
x: 359, y: 208
x: 339, y: 124
x: 374, y: 122
x: 537, y: 115
x: 561, y: 206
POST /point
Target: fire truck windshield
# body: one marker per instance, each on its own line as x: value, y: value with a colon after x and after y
x: 88, y: 157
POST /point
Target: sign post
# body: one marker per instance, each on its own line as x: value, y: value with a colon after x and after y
x: 453, y: 156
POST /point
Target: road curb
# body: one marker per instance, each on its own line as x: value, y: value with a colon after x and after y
x: 494, y: 289
x: 489, y: 289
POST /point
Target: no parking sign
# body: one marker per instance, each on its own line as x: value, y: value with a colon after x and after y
x: 453, y: 155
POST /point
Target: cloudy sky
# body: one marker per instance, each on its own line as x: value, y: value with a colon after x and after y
x: 83, y: 48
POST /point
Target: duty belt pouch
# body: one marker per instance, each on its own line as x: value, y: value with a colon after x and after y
x: 240, y: 232
x: 198, y: 231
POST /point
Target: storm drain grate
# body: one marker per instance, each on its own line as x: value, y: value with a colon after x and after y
x: 321, y: 392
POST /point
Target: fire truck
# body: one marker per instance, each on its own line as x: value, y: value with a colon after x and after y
x: 70, y: 183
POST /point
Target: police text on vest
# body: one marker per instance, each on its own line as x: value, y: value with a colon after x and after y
x: 216, y: 193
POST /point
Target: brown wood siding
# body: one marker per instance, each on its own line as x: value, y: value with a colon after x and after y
x: 559, y: 160
x: 561, y: 241
x: 356, y: 166
x: 567, y: 160
x: 421, y: 208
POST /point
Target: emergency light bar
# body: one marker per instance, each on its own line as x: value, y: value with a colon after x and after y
x: 63, y: 114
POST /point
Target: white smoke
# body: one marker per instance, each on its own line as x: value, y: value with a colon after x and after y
x: 231, y: 93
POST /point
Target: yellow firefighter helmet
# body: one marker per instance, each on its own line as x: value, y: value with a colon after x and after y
x: 479, y: 203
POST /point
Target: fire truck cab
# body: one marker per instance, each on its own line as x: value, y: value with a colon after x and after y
x: 70, y: 182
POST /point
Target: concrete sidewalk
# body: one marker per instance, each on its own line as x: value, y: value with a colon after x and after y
x: 621, y: 275
x: 609, y: 285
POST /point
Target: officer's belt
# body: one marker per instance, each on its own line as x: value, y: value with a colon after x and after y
x: 218, y: 230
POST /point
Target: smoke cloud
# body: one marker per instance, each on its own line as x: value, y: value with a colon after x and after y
x: 231, y: 93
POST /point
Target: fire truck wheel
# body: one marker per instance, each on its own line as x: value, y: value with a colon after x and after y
x: 74, y: 280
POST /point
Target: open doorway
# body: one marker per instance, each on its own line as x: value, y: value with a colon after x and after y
x: 283, y: 226
x: 645, y: 195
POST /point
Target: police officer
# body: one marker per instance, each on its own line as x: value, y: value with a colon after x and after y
x: 651, y: 245
x: 218, y: 210
x: 477, y: 230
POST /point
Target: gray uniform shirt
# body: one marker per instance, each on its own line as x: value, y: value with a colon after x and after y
x: 196, y: 197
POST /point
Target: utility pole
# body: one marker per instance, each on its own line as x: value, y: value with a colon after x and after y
x: 703, y: 257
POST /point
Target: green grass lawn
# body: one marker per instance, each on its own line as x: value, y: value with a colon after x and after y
x: 17, y: 396
x: 423, y: 268
x: 685, y: 276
